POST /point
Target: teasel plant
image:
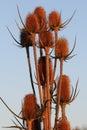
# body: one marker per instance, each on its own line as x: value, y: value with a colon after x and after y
x: 40, y: 33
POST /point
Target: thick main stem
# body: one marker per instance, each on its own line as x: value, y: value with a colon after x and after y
x: 48, y: 89
x: 59, y: 92
x: 30, y: 72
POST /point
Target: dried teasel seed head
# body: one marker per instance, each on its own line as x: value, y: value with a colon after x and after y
x: 26, y: 39
x: 54, y: 20
x: 41, y: 15
x: 32, y: 23
x: 65, y: 89
x: 42, y: 70
x: 64, y: 124
x: 62, y: 48
x: 29, y: 107
x: 46, y: 39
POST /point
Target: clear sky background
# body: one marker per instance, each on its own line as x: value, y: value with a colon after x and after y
x: 14, y: 77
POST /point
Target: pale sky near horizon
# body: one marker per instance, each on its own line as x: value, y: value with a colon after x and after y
x: 14, y: 77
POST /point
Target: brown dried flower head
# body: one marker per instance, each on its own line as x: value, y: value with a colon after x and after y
x: 41, y: 15
x: 42, y: 70
x: 54, y: 20
x: 26, y: 39
x: 46, y: 39
x: 32, y: 23
x: 29, y: 107
x: 61, y: 49
x: 64, y: 124
x: 65, y: 89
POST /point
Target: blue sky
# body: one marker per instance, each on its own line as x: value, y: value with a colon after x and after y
x: 14, y: 77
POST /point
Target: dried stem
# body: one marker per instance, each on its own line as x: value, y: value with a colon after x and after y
x: 59, y: 92
x: 48, y: 89
x: 55, y: 62
x: 37, y: 73
x: 63, y: 106
x: 30, y: 72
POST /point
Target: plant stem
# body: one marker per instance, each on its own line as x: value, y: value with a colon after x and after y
x: 37, y: 73
x: 48, y: 89
x: 59, y: 92
x: 30, y: 72
x: 55, y: 62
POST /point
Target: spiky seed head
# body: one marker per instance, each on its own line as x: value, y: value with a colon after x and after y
x: 29, y: 107
x: 64, y: 124
x: 41, y: 15
x: 62, y: 48
x: 54, y: 20
x: 42, y: 70
x: 32, y: 23
x: 46, y: 39
x: 65, y: 89
x: 26, y: 39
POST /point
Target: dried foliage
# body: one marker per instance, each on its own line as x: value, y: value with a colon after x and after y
x: 41, y: 32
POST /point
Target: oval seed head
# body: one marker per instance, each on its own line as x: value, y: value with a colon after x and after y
x: 61, y: 49
x: 29, y: 107
x: 54, y: 20
x: 26, y: 39
x: 32, y: 23
x: 42, y: 70
x: 65, y: 89
x: 64, y: 124
x: 41, y: 15
x: 46, y: 39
